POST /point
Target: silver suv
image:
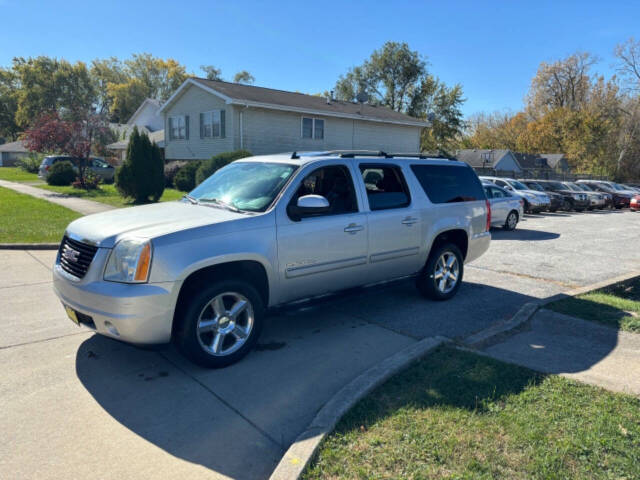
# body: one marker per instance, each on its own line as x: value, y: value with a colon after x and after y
x: 265, y: 231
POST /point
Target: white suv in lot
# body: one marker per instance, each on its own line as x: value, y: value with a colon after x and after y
x: 265, y: 231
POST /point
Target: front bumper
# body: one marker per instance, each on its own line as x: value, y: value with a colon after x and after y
x: 135, y: 313
x: 538, y: 205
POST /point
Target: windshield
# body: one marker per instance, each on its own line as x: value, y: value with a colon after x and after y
x: 535, y: 186
x: 618, y: 187
x: 250, y: 186
x: 517, y: 185
x: 556, y: 186
x: 584, y: 186
x: 572, y: 186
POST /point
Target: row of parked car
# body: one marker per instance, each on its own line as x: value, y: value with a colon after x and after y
x: 511, y: 198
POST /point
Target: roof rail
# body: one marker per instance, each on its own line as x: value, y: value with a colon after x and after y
x: 424, y: 155
x: 358, y: 153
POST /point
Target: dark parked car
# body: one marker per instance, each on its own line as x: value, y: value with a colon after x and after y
x: 608, y: 198
x: 577, y: 201
x: 98, y: 167
x: 620, y: 199
x: 556, y: 199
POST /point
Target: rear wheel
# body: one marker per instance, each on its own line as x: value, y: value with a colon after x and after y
x: 511, y: 221
x: 442, y: 274
x: 220, y: 323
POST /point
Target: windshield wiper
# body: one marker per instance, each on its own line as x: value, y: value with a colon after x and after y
x: 191, y: 199
x: 222, y: 203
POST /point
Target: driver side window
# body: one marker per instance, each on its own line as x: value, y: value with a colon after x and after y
x: 333, y: 183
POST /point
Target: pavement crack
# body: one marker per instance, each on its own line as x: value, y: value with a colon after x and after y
x: 6, y: 347
x: 524, y: 275
x: 226, y: 404
x: 48, y: 267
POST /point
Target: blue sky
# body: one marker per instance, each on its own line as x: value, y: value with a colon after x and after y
x: 491, y: 48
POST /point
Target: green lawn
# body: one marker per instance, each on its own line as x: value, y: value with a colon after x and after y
x: 109, y: 194
x: 617, y: 305
x: 31, y: 220
x: 15, y: 174
x: 458, y: 415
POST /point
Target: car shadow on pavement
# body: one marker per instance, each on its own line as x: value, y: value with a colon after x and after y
x: 239, y: 420
x: 523, y: 234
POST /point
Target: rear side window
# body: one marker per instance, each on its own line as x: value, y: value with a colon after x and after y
x: 449, y: 184
x: 386, y: 186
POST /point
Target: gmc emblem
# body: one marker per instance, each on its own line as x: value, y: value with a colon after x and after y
x: 70, y: 254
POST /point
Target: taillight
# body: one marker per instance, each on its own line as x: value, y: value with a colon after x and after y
x: 46, y: 168
x: 488, y: 216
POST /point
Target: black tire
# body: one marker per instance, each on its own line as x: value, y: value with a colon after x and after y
x: 426, y: 282
x: 190, y: 342
x: 553, y: 210
x: 511, y: 225
x: 527, y: 206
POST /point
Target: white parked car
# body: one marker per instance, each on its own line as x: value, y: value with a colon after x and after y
x: 506, y: 208
x: 534, y: 201
x: 265, y: 231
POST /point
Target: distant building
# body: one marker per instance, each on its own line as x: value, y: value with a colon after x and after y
x: 494, y: 159
x: 148, y: 120
x: 11, y: 152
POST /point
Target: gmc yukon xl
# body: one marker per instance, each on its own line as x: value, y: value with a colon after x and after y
x: 265, y: 231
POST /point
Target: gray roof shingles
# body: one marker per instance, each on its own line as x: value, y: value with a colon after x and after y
x: 481, y: 157
x: 13, y: 147
x: 269, y: 96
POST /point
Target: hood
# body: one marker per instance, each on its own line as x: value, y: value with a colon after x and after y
x: 147, y: 221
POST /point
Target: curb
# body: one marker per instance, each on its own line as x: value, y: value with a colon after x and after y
x: 588, y: 288
x: 300, y: 453
x: 502, y: 330
x: 29, y: 246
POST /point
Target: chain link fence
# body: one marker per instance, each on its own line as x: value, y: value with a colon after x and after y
x: 538, y: 174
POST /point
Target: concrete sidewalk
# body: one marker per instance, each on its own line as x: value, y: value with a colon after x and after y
x: 574, y: 348
x: 80, y: 205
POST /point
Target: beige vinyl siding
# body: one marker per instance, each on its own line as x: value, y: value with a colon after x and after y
x: 192, y: 102
x: 272, y: 131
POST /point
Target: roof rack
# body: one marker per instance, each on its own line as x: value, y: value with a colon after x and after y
x: 380, y: 153
x: 423, y: 155
x: 358, y: 153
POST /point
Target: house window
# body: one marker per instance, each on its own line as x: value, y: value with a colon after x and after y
x: 313, y: 128
x: 179, y: 127
x: 212, y: 124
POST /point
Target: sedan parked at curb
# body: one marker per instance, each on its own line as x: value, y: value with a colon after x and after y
x: 506, y: 208
x: 266, y: 231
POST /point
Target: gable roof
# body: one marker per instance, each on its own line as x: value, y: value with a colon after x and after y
x: 148, y: 102
x: 17, y: 146
x: 531, y: 160
x: 249, y: 95
x: 553, y: 159
x: 481, y: 157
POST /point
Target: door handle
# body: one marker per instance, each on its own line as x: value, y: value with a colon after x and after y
x: 409, y: 221
x: 353, y: 228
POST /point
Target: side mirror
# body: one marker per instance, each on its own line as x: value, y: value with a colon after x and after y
x: 308, y: 205
x: 508, y: 187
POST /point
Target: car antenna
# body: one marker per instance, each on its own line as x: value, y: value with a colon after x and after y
x: 294, y: 155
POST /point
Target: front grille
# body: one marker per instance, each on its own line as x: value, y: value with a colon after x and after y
x: 75, y: 257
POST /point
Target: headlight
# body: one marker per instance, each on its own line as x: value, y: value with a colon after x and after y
x: 129, y: 262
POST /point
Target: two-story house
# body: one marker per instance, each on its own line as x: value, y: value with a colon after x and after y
x: 206, y: 117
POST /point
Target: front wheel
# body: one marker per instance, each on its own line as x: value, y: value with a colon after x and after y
x: 220, y: 323
x: 442, y: 274
x: 511, y: 221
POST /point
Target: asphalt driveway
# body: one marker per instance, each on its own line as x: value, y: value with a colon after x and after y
x: 74, y: 405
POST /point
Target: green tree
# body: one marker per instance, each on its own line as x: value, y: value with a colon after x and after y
x: 8, y: 105
x: 398, y: 78
x: 244, y: 77
x: 47, y: 84
x: 105, y: 72
x: 211, y: 72
x: 141, y: 176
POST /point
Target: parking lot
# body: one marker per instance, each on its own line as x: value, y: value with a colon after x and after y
x: 73, y: 404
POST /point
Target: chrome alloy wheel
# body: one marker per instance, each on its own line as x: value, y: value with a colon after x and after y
x: 447, y: 272
x: 225, y: 323
x: 512, y: 220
